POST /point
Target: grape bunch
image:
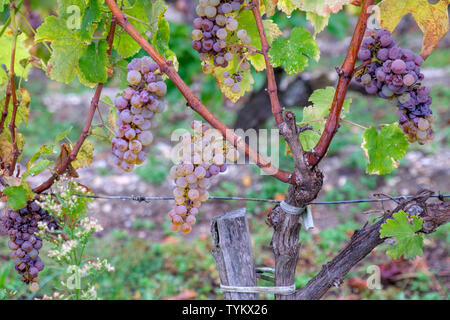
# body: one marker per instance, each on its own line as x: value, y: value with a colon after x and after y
x: 218, y: 39
x: 136, y: 110
x: 203, y: 155
x: 21, y: 226
x: 394, y: 74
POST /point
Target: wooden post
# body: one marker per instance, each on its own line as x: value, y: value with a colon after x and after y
x: 233, y: 253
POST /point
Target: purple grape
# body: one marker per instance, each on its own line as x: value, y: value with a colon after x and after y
x: 398, y: 66
x: 383, y: 54
x: 395, y: 53
x: 364, y: 54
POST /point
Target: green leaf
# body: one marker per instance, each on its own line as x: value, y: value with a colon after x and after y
x: 293, y: 53
x: 37, y: 168
x: 247, y: 22
x: 2, y: 5
x: 91, y: 15
x: 21, y: 54
x: 409, y: 242
x: 161, y: 37
x: 146, y: 10
x: 18, y: 196
x: 318, y: 22
x: 62, y: 135
x: 321, y: 100
x: 67, y: 48
x: 384, y: 148
x: 94, y: 62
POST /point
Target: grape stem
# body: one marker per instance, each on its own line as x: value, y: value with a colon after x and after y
x: 12, y: 88
x: 87, y: 125
x: 271, y: 83
x: 192, y: 100
x: 345, y: 77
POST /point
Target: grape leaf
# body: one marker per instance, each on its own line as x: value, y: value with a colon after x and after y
x: 91, y: 15
x: 94, y: 62
x: 293, y: 53
x: 287, y: 6
x: 247, y: 22
x: 409, y: 242
x: 269, y: 6
x: 320, y: 7
x: 321, y: 100
x: 37, y: 168
x: 18, y: 196
x: 233, y: 67
x: 384, y: 148
x: 21, y: 54
x: 432, y: 19
x: 6, y: 145
x: 2, y: 5
x: 62, y: 158
x: 145, y: 10
x: 85, y: 155
x: 318, y: 22
x: 67, y: 48
x: 62, y: 135
x: 161, y: 40
x: 23, y: 110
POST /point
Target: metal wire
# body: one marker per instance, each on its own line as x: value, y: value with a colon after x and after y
x: 149, y: 199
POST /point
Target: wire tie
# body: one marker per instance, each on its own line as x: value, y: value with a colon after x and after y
x: 291, y: 209
x: 283, y: 290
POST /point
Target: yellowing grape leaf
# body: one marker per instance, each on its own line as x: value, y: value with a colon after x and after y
x: 320, y: 7
x: 21, y: 54
x: 67, y: 48
x: 432, y: 19
x: 233, y: 67
x: 85, y: 155
x: 318, y: 22
x: 269, y: 6
x: 23, y: 111
x: 6, y: 145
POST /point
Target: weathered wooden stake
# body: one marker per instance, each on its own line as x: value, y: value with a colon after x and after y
x: 233, y: 253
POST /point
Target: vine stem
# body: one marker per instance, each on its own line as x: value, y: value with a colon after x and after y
x: 271, y: 83
x: 193, y: 102
x: 12, y: 87
x: 345, y: 77
x: 87, y: 125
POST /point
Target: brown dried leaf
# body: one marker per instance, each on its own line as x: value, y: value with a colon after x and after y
x: 63, y: 156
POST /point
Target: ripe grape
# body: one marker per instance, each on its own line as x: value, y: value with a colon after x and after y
x: 398, y: 66
x: 137, y: 108
x: 21, y: 226
x: 395, y: 76
x: 201, y: 151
